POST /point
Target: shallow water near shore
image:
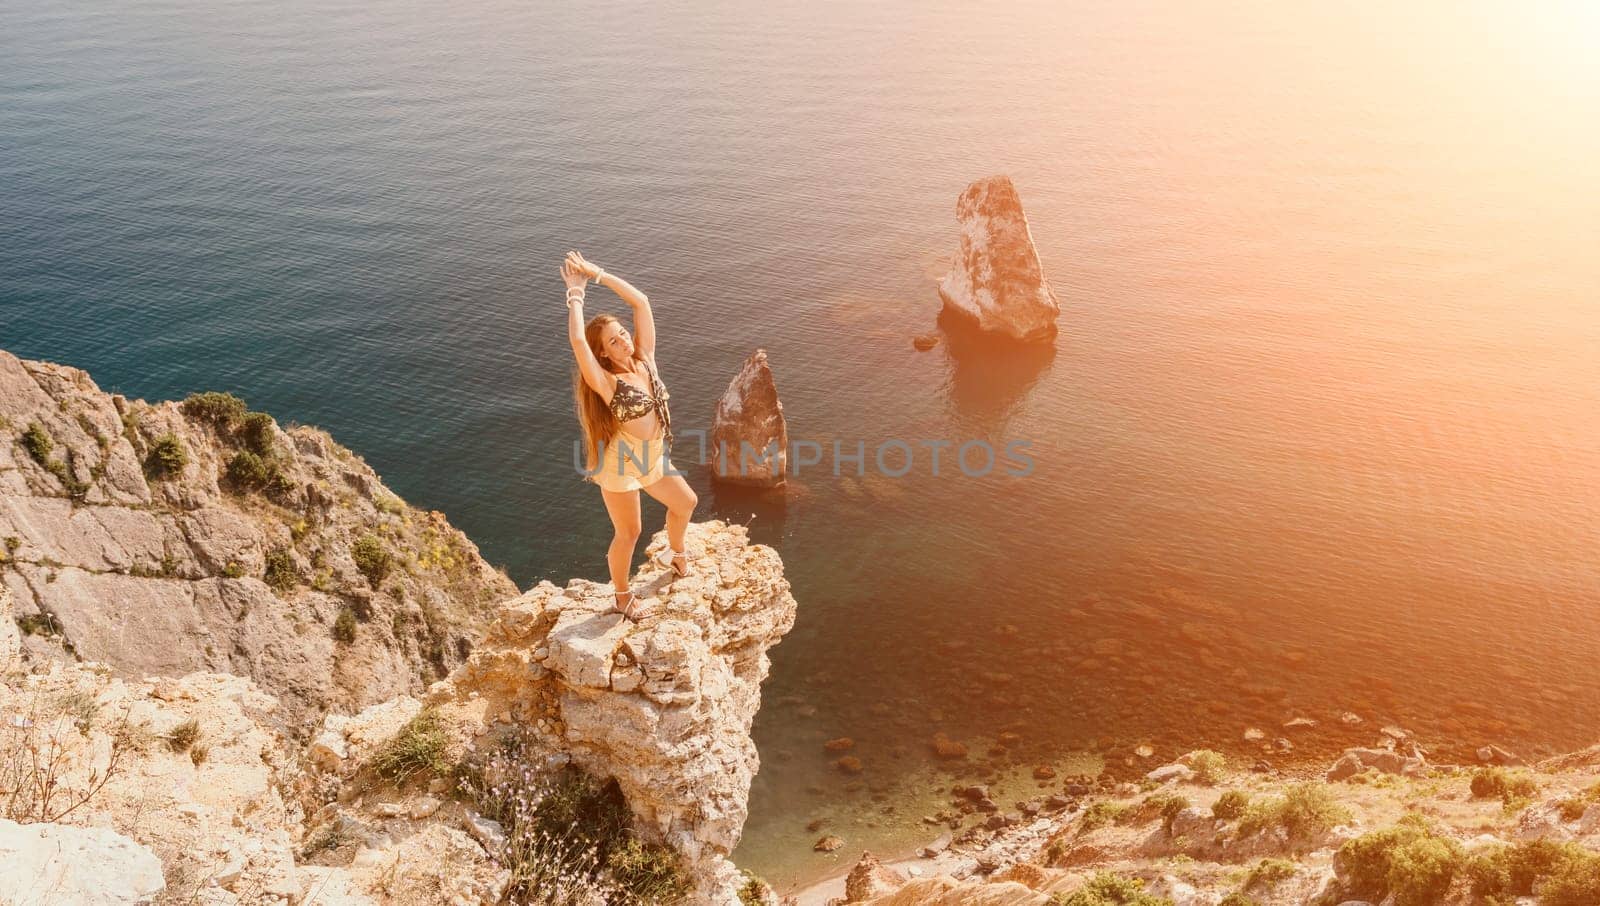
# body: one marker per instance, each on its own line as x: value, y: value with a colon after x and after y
x: 1320, y: 433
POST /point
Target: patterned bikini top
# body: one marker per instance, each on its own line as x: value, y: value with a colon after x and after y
x: 629, y: 402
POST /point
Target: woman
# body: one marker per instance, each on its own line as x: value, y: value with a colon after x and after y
x: 622, y: 406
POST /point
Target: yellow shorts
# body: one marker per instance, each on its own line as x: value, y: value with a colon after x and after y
x: 631, y: 463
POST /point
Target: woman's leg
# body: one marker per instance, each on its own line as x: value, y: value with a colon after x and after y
x: 680, y: 500
x: 623, y: 506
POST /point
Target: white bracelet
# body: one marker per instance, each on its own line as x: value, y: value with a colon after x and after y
x: 599, y: 276
x: 572, y: 289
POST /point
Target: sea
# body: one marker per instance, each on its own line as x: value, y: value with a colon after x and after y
x: 1319, y: 436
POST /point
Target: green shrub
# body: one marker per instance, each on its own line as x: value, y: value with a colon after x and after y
x: 1269, y: 873
x: 220, y: 409
x: 280, y: 572
x: 1573, y: 883
x: 233, y: 570
x: 419, y: 746
x: 168, y: 457
x: 754, y: 891
x: 1101, y: 813
x: 256, y: 430
x: 1167, y: 805
x: 1230, y: 805
x: 1207, y: 766
x: 1503, y: 873
x: 1108, y: 889
x: 1407, y: 860
x: 1573, y: 807
x: 1306, y: 811
x: 371, y: 557
x: 344, y: 626
x: 247, y: 470
x: 38, y: 443
x: 650, y: 874
x: 388, y: 503
x: 1513, y: 788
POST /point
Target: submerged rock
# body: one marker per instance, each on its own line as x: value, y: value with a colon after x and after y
x: 995, y: 280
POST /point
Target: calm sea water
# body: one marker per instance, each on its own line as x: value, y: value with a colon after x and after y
x: 1321, y: 432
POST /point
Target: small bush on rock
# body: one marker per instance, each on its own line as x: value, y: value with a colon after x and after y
x: 1230, y: 805
x: 371, y: 557
x: 1306, y: 811
x: 1514, y: 789
x: 1504, y: 873
x: 419, y: 746
x: 1101, y: 813
x: 256, y: 430
x: 1573, y: 807
x: 167, y: 457
x: 569, y: 838
x: 220, y: 409
x: 1207, y: 766
x: 1269, y: 873
x: 280, y: 572
x: 344, y: 626
x: 1407, y: 861
x: 1108, y: 889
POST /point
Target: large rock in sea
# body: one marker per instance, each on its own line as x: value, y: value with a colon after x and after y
x: 749, y: 438
x: 995, y: 280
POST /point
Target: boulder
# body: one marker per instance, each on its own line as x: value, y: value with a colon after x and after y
x: 870, y: 878
x: 995, y: 279
x: 1386, y: 761
x: 87, y: 866
x: 749, y: 439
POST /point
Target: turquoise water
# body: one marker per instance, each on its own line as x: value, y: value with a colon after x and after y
x: 1319, y: 433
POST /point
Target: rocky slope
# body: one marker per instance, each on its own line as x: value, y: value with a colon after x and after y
x: 167, y: 538
x: 193, y: 772
x: 1395, y: 830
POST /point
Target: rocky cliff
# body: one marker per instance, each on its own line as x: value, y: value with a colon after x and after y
x: 172, y: 537
x: 414, y: 800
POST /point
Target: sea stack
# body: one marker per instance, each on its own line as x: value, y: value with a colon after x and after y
x: 749, y: 420
x: 995, y: 280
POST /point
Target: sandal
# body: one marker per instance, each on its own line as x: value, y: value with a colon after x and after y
x: 627, y: 610
x: 667, y: 557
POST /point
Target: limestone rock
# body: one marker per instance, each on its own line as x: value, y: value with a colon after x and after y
x: 870, y: 878
x: 162, y: 574
x: 995, y: 279
x: 678, y: 743
x: 749, y: 438
x: 89, y: 866
x: 1354, y: 761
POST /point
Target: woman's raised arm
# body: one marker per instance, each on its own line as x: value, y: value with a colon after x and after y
x: 594, y: 374
x: 644, y: 324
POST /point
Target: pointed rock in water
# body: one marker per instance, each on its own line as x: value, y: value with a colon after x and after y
x: 749, y: 437
x: 995, y: 279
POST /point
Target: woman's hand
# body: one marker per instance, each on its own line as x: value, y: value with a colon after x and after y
x: 590, y: 271
x: 572, y: 275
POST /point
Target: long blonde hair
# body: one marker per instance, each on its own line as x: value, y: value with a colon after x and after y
x: 594, y: 415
